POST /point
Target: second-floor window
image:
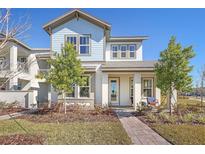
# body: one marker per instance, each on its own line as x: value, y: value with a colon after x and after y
x: 123, y: 51
x: 81, y: 43
x: 72, y: 40
x: 132, y: 49
x: 114, y: 51
x: 84, y: 45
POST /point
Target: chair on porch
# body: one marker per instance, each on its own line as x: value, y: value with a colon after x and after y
x: 152, y: 101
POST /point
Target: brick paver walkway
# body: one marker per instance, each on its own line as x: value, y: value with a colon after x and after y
x: 139, y: 132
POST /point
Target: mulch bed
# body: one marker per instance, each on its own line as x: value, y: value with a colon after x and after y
x: 5, y: 111
x: 21, y: 139
x: 72, y: 116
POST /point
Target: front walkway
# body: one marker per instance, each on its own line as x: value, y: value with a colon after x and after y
x: 14, y: 115
x: 139, y: 132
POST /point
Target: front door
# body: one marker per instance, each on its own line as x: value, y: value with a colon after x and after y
x: 114, y: 91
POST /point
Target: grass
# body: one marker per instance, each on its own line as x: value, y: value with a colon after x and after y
x: 187, y: 126
x: 70, y: 133
x: 181, y: 134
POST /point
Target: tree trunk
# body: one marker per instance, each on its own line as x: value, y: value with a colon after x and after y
x: 64, y: 101
x: 170, y: 102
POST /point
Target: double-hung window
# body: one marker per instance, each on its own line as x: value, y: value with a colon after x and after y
x: 72, y: 93
x: 84, y: 46
x: 123, y: 49
x: 114, y: 51
x: 147, y: 87
x: 72, y: 40
x: 85, y: 88
x: 132, y: 49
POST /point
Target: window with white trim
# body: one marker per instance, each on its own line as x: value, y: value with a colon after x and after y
x: 123, y: 49
x: 147, y: 87
x: 114, y: 51
x: 72, y: 40
x: 84, y: 46
x: 84, y: 90
x: 132, y: 49
x: 1, y: 60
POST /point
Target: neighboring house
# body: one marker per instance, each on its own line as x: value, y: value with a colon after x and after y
x: 114, y: 67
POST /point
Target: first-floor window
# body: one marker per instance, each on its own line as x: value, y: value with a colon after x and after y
x: 147, y: 87
x: 85, y: 88
x: 131, y: 87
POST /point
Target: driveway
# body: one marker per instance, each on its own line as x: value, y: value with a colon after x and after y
x: 138, y: 131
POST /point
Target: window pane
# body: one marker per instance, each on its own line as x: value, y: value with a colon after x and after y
x: 114, y: 48
x: 84, y: 40
x: 123, y: 48
x: 147, y: 93
x: 147, y: 83
x: 86, y: 81
x: 84, y: 49
x: 132, y: 48
x: 71, y: 40
x: 84, y: 91
x: 123, y: 54
x: 114, y: 54
x: 132, y: 54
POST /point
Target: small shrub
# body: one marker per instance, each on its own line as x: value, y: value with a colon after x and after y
x: 188, y: 118
x: 166, y: 118
x: 3, y: 105
x: 200, y: 119
x: 151, y: 117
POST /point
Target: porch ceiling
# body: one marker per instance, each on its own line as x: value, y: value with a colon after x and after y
x: 128, y: 66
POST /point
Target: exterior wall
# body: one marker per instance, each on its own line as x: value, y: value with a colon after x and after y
x: 138, y: 56
x: 80, y: 26
x: 26, y: 99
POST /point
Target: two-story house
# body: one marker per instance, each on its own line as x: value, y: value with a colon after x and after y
x: 115, y: 70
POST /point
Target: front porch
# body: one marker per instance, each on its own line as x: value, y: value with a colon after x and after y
x: 128, y: 89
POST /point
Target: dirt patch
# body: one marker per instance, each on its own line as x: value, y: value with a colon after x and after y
x: 21, y: 139
x: 72, y: 116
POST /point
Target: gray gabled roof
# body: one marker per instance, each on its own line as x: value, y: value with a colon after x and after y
x: 73, y: 14
x: 129, y: 66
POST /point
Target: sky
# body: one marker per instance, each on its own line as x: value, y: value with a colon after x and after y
x: 187, y: 25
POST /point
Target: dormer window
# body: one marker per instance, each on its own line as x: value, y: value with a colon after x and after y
x: 84, y: 45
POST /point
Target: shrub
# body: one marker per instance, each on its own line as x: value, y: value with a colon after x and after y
x: 166, y: 118
x: 151, y: 117
x: 3, y: 105
x: 187, y: 118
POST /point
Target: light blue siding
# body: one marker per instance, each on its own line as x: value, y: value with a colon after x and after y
x: 80, y: 26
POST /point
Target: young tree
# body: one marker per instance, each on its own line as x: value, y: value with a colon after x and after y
x: 66, y: 71
x: 173, y: 68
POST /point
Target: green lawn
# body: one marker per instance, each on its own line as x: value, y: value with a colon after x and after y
x: 107, y: 132
x: 182, y: 134
x: 187, y: 126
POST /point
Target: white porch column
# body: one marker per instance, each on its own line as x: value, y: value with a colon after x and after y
x: 104, y: 90
x: 13, y: 67
x: 137, y: 89
x: 49, y: 95
x: 158, y: 94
